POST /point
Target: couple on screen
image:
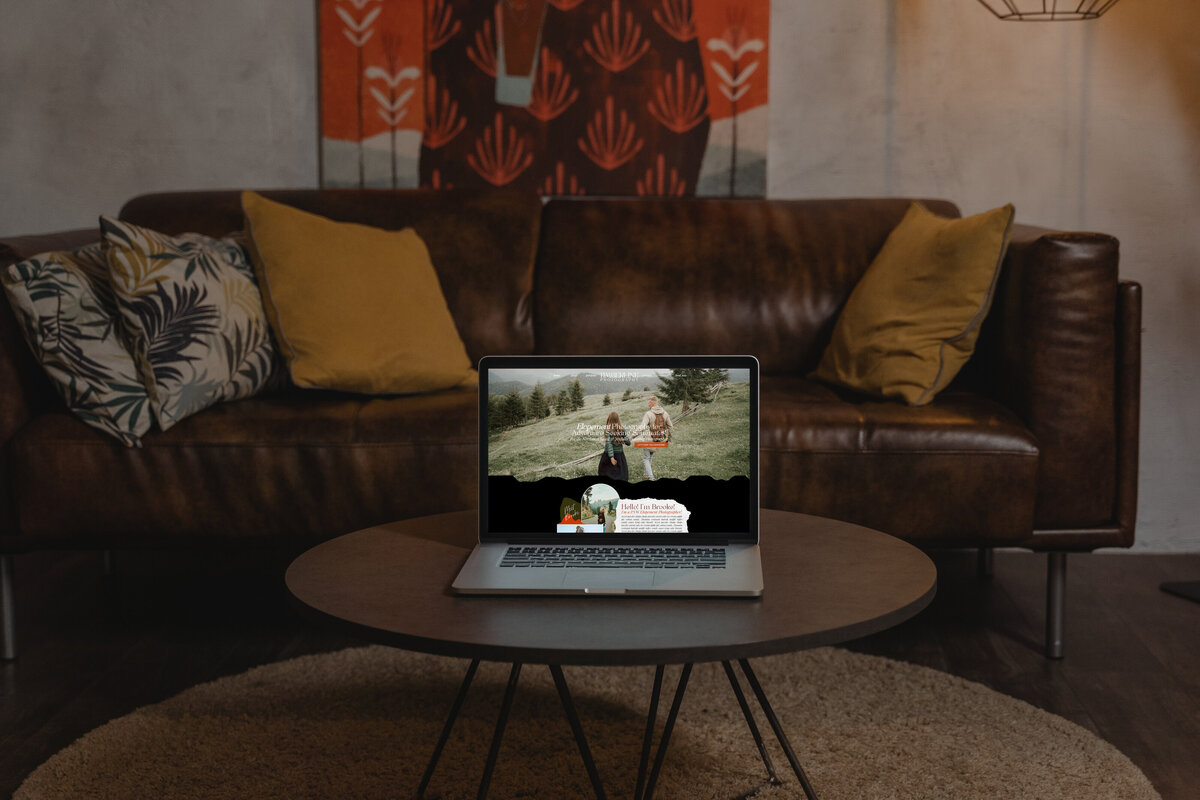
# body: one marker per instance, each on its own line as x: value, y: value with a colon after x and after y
x: 655, y: 426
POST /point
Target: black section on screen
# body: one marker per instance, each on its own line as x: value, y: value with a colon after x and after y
x: 716, y: 506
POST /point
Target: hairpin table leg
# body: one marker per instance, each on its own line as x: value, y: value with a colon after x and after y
x: 779, y: 732
x: 445, y: 737
x: 576, y: 728
x: 661, y: 755
x: 758, y: 740
x: 510, y: 692
x: 651, y: 718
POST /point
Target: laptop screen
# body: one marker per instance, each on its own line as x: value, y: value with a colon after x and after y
x: 604, y: 448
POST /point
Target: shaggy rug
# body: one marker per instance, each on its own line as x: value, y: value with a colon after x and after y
x: 362, y: 722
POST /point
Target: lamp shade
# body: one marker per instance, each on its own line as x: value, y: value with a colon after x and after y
x: 1047, y: 10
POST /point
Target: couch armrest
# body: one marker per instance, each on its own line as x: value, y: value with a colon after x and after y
x: 23, y: 386
x: 1051, y: 351
x: 1129, y: 406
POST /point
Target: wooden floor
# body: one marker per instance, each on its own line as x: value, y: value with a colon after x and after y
x: 94, y: 649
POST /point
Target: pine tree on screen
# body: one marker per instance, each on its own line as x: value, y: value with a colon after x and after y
x: 690, y: 385
x: 513, y: 411
x: 576, y: 395
x: 495, y: 413
x: 539, y: 406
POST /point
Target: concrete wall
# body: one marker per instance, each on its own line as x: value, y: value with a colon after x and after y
x: 1081, y: 125
x: 105, y: 99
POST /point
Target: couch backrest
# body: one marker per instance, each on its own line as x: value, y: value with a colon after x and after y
x: 481, y: 243
x: 764, y: 277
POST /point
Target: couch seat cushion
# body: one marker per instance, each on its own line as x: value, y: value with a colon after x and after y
x: 956, y: 471
x: 305, y: 464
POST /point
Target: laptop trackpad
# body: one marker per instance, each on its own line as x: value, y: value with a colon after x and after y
x: 609, y: 578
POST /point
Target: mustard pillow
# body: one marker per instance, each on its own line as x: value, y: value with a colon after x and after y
x: 911, y: 322
x: 353, y: 308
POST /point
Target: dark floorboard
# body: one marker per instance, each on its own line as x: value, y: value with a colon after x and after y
x: 93, y: 649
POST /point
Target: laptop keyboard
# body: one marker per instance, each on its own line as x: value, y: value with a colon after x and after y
x: 614, y: 557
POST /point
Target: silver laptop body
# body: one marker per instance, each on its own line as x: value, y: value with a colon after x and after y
x: 588, y: 486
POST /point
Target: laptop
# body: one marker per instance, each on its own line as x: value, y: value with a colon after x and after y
x: 617, y: 475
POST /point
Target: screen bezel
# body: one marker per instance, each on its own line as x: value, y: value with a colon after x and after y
x: 586, y: 363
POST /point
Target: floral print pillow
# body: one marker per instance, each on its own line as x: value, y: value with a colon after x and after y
x: 69, y: 317
x: 194, y: 317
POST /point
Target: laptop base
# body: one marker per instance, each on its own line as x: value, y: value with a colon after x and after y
x: 741, y: 577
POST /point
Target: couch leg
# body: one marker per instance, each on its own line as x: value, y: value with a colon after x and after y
x: 987, y: 563
x: 8, y: 617
x: 1056, y: 601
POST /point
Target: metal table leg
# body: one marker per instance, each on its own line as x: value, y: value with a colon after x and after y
x: 648, y: 738
x: 758, y: 740
x: 445, y: 737
x: 576, y: 728
x: 514, y: 676
x: 646, y: 784
x: 775, y: 726
x: 661, y: 755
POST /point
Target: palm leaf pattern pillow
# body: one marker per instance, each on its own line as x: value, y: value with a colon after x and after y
x: 68, y: 315
x: 194, y: 315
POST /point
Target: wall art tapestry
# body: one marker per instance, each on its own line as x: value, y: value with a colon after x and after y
x: 597, y: 97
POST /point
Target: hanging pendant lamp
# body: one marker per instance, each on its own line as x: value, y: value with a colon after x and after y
x: 1047, y: 10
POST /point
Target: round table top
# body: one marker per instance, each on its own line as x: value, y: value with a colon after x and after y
x: 824, y: 581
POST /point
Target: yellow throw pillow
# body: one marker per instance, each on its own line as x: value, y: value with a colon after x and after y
x: 353, y: 308
x: 911, y: 322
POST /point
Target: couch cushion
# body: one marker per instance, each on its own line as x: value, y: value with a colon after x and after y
x: 69, y: 317
x: 957, y: 471
x: 354, y: 308
x: 960, y: 470
x: 911, y: 322
x: 703, y: 276
x: 300, y: 464
x: 194, y: 316
x: 481, y: 243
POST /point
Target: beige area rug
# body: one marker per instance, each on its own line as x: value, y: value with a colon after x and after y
x: 361, y: 723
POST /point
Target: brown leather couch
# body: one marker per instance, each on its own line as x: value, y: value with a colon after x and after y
x: 1035, y: 445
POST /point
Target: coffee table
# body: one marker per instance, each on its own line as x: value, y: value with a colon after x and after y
x: 825, y: 582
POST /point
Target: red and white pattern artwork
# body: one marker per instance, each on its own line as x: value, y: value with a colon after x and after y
x: 599, y: 97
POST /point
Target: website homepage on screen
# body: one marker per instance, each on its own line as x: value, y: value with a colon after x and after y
x: 618, y: 451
